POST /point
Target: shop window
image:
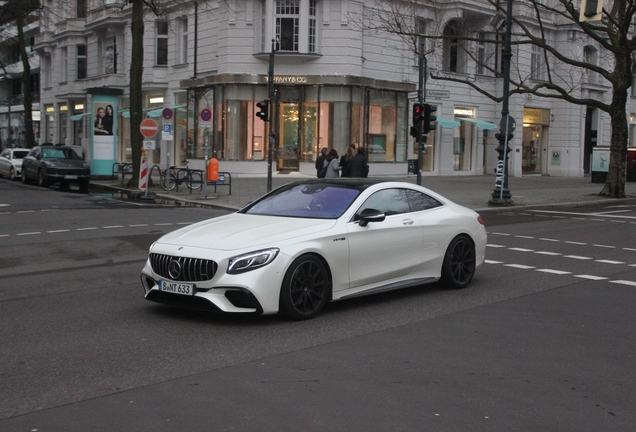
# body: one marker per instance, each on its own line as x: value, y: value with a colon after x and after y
x: 162, y: 43
x: 82, y: 63
x: 383, y: 125
x: 463, y: 141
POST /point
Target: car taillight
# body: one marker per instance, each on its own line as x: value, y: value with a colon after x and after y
x: 480, y: 220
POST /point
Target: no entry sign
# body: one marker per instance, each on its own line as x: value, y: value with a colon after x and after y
x: 148, y: 128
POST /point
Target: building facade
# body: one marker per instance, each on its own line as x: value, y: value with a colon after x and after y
x: 337, y: 83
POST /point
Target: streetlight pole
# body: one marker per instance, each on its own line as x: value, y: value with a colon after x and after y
x: 501, y: 195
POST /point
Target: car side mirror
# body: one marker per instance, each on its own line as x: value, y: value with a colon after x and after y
x: 371, y: 215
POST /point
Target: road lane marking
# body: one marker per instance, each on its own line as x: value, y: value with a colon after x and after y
x: 548, y: 253
x: 630, y: 249
x: 624, y: 282
x: 492, y: 262
x: 501, y: 234
x: 549, y: 239
x: 29, y: 233
x: 113, y: 226
x: 610, y: 262
x: 576, y: 243
x: 495, y: 245
x: 604, y: 246
x: 525, y: 237
x: 138, y: 225
x: 590, y: 277
x: 577, y: 257
x: 521, y: 249
x: 519, y: 266
x: 557, y: 272
x: 58, y: 231
x: 86, y: 229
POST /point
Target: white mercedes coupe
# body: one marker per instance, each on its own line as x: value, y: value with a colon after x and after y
x: 311, y: 242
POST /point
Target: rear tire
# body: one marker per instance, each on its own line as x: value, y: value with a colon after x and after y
x: 458, y: 268
x: 195, y: 181
x: 306, y: 288
x: 24, y: 177
x: 167, y: 181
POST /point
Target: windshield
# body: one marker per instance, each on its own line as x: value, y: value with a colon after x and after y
x: 20, y: 154
x: 311, y: 200
x: 59, y: 153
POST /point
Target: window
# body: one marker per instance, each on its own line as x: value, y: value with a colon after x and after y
x: 537, y: 66
x: 590, y: 57
x: 162, y: 43
x: 287, y: 24
x: 481, y: 54
x: 388, y: 201
x: 311, y: 47
x: 453, y: 48
x: 81, y: 62
x: 419, y: 201
x: 182, y: 41
x: 81, y: 8
x: 110, y: 56
x: 64, y: 64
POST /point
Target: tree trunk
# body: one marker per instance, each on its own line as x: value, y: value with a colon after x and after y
x: 136, y: 94
x: 26, y: 85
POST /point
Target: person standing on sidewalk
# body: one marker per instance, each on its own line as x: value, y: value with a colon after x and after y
x: 331, y: 163
x: 345, y: 160
x: 320, y: 162
x: 359, y: 166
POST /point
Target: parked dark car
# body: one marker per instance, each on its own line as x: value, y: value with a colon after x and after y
x: 55, y: 164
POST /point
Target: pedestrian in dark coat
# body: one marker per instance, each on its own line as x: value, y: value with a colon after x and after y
x: 359, y: 166
x: 320, y: 162
x: 346, y: 159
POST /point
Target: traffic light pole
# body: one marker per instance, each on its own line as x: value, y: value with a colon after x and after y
x: 421, y: 97
x: 271, y: 95
x: 501, y: 195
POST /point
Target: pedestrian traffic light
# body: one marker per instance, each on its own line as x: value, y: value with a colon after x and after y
x: 429, y: 118
x: 418, y: 116
x: 263, y: 114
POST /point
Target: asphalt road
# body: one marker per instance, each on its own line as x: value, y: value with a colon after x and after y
x: 543, y: 339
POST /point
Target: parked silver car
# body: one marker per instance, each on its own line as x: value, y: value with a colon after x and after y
x: 11, y: 162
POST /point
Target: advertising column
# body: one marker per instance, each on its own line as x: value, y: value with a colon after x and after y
x: 104, y: 135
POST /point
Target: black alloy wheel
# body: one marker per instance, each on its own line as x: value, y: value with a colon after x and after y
x: 305, y: 289
x: 458, y: 268
x: 24, y: 177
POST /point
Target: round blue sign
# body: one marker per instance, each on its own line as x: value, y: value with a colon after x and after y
x: 206, y: 114
x: 166, y: 113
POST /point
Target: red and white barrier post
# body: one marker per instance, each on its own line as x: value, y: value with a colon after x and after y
x: 143, y: 172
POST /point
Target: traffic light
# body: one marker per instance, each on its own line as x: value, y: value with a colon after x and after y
x: 429, y: 118
x: 263, y: 114
x: 418, y: 116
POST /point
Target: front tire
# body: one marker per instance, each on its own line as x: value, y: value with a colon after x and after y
x: 12, y: 175
x: 458, y: 268
x: 41, y: 179
x: 305, y: 289
x: 24, y: 177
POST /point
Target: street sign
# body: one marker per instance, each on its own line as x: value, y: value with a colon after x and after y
x: 166, y: 113
x: 149, y: 145
x: 206, y: 115
x: 148, y: 128
x: 167, y: 135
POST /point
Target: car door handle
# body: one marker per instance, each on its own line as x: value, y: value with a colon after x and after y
x: 407, y: 222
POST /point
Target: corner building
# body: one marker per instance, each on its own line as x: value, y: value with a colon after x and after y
x: 337, y: 83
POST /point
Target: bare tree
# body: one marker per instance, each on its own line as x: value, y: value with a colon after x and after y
x: 22, y: 13
x: 535, y: 24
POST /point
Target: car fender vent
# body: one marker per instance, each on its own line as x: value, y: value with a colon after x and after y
x: 183, y: 269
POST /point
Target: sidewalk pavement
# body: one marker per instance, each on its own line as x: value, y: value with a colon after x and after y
x: 471, y: 191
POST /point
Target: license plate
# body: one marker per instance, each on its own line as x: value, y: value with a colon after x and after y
x: 176, y: 287
x: 70, y: 177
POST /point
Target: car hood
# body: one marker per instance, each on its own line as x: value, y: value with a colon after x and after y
x: 239, y: 231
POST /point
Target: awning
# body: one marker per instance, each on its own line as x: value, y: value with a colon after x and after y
x: 157, y: 112
x: 126, y: 113
x: 447, y: 123
x: 480, y: 123
x: 77, y: 117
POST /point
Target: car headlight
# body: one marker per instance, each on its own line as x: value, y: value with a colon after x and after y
x: 251, y: 261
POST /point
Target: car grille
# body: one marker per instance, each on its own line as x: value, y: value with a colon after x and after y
x: 183, y: 269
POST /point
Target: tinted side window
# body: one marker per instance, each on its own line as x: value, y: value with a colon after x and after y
x: 389, y: 201
x: 420, y: 201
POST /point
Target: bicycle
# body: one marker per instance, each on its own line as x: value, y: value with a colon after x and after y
x: 171, y: 177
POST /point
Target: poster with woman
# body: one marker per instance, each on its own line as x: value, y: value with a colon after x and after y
x: 104, y: 133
